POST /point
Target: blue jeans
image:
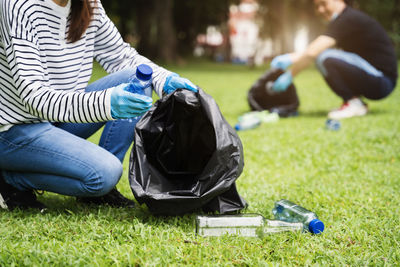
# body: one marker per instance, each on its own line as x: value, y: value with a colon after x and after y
x: 349, y: 75
x: 55, y: 157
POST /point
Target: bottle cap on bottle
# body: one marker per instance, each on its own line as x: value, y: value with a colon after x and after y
x: 316, y: 226
x: 144, y: 72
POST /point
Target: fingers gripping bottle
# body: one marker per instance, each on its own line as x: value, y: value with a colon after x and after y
x: 288, y: 211
x: 141, y: 81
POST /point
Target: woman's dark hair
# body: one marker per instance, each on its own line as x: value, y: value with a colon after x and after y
x: 81, y: 15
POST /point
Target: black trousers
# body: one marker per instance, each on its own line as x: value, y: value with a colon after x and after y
x: 348, y: 75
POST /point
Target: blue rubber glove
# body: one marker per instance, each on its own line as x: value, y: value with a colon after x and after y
x: 174, y: 81
x: 126, y: 105
x: 282, y: 62
x: 283, y: 82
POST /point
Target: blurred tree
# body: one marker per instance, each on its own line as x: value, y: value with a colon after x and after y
x: 281, y: 19
x: 166, y: 41
x: 165, y: 29
x: 387, y: 12
x: 144, y: 29
x: 193, y: 17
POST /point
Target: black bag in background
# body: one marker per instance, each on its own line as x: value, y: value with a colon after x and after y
x: 285, y: 103
x: 186, y: 157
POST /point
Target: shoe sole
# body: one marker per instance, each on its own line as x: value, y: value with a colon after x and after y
x: 3, y: 204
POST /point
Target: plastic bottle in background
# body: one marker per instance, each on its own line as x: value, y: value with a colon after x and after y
x: 288, y: 211
x: 267, y: 117
x: 247, y: 123
x: 142, y: 80
x: 253, y: 119
x: 247, y: 225
x: 333, y: 125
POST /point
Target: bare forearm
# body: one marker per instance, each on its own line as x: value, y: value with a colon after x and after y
x: 303, y: 60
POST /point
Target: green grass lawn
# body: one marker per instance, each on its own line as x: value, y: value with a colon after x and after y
x: 350, y: 178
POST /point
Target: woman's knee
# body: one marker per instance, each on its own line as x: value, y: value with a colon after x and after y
x: 106, y: 176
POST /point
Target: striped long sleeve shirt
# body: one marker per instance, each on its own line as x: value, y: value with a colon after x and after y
x: 43, y: 76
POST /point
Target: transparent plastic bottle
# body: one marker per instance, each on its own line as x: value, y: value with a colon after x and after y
x: 333, y: 125
x: 247, y: 123
x: 251, y: 120
x: 288, y: 211
x: 141, y: 81
x: 247, y: 225
x: 268, y: 87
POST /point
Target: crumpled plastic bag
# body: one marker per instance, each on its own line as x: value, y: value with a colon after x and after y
x: 186, y: 157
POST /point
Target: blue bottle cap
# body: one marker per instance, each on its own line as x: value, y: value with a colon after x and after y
x: 144, y: 72
x: 316, y: 226
x: 237, y: 127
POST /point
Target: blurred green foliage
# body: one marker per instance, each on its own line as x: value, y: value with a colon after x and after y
x: 167, y: 29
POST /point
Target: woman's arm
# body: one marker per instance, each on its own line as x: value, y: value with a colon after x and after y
x: 114, y: 54
x: 29, y: 89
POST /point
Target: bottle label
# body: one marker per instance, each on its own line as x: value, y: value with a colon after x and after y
x: 220, y: 231
x: 230, y: 221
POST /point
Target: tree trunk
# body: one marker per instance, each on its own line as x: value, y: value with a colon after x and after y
x: 124, y: 12
x: 145, y: 27
x: 166, y: 37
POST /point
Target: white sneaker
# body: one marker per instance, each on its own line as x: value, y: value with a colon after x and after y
x: 353, y: 107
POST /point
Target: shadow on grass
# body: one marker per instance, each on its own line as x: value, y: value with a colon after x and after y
x: 69, y: 208
x: 313, y: 113
x: 324, y: 113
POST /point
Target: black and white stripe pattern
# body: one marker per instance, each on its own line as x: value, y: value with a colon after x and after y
x: 43, y: 77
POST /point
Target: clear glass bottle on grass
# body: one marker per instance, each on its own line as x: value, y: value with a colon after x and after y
x: 246, y: 225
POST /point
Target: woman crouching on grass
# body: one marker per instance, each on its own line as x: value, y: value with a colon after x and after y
x: 48, y: 109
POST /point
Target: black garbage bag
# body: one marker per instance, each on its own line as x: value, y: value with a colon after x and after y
x: 260, y: 98
x: 186, y: 157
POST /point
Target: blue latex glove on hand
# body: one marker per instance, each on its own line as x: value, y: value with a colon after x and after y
x: 126, y: 105
x: 174, y: 81
x: 282, y: 62
x: 283, y: 82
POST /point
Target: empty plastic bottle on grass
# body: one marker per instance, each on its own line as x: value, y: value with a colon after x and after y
x: 247, y: 123
x: 333, y: 125
x: 141, y: 81
x: 247, y: 225
x: 288, y: 211
x: 254, y: 119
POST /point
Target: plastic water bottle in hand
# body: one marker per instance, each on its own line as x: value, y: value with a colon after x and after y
x: 141, y: 81
x: 247, y: 225
x: 288, y: 211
